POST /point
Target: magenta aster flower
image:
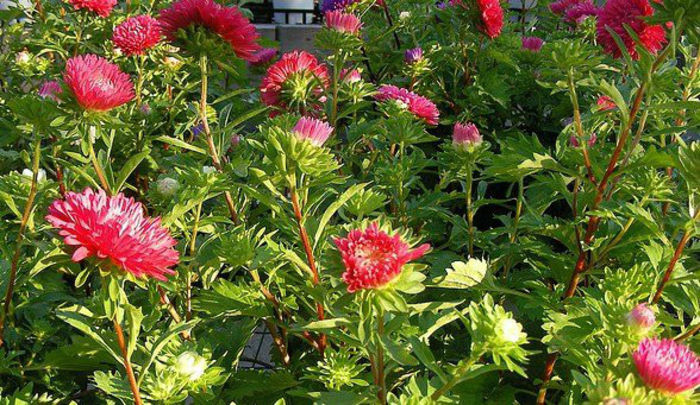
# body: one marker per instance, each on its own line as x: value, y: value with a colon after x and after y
x: 533, y: 44
x: 263, y: 57
x: 641, y: 317
x: 419, y: 106
x: 560, y: 6
x: 372, y: 258
x: 100, y: 7
x: 667, y: 366
x: 313, y: 130
x: 136, y: 34
x: 226, y: 22
x: 412, y: 56
x: 298, y: 66
x: 580, y: 11
x: 616, y: 14
x: 465, y: 135
x: 51, y: 89
x: 342, y: 22
x: 97, y: 84
x: 116, y: 230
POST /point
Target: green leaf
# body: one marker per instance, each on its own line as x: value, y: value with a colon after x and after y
x: 324, y: 324
x: 335, y: 206
x: 129, y: 166
x: 181, y: 144
x: 134, y: 317
x: 81, y: 318
x: 463, y: 275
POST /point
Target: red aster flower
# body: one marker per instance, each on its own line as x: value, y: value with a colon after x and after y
x: 99, y: 7
x: 51, y: 89
x: 491, y: 14
x: 419, y: 106
x: 227, y: 22
x: 263, y: 57
x: 605, y: 103
x: 667, y: 366
x: 136, y: 34
x: 97, y: 84
x: 616, y: 14
x: 116, y: 230
x: 294, y: 78
x: 372, y: 258
x: 313, y: 130
x: 342, y: 22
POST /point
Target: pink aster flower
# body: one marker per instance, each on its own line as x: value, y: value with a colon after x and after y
x: 616, y: 14
x: 465, y: 135
x: 97, y: 84
x: 350, y: 75
x: 226, y: 22
x: 641, y: 317
x: 491, y: 14
x: 99, y: 7
x: 533, y: 44
x: 51, y: 89
x: 419, y: 106
x: 313, y: 130
x: 580, y: 11
x: 605, y: 103
x: 115, y: 230
x: 342, y: 22
x: 667, y: 366
x: 136, y: 34
x: 372, y: 258
x: 298, y: 66
x: 560, y: 6
x: 263, y: 57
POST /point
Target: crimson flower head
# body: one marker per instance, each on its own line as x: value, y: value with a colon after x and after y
x: 491, y: 14
x: 97, y: 84
x: 616, y: 14
x: 226, y: 22
x: 99, y: 7
x: 419, y: 106
x: 533, y: 44
x: 605, y: 103
x: 465, y: 135
x: 667, y: 366
x: 114, y: 229
x: 136, y: 35
x: 51, y: 89
x: 292, y: 78
x: 263, y: 57
x: 313, y: 130
x: 343, y: 22
x: 373, y: 258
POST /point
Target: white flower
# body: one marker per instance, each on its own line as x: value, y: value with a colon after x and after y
x: 509, y: 330
x: 208, y: 169
x: 404, y: 15
x: 27, y: 176
x: 22, y: 57
x: 191, y: 365
x: 167, y: 186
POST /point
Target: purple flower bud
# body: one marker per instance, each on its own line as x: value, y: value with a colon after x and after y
x: 413, y: 55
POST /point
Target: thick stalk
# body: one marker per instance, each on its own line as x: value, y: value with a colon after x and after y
x: 381, y: 376
x: 171, y: 310
x: 578, y: 125
x: 310, y: 259
x: 127, y: 362
x: 690, y: 332
x: 213, y: 152
x: 20, y: 238
x: 387, y: 14
x: 676, y: 256
x: 138, y: 61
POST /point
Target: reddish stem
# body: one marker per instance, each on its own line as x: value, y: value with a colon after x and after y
x: 127, y: 363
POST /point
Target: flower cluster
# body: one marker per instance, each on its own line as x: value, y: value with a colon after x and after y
x: 114, y: 228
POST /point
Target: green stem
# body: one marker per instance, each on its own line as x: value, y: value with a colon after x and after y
x: 381, y: 377
x: 92, y: 138
x: 20, y: 237
x: 470, y: 212
x: 457, y: 376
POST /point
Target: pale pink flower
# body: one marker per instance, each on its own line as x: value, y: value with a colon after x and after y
x: 641, y: 317
x: 313, y: 130
x: 343, y: 22
x: 465, y: 135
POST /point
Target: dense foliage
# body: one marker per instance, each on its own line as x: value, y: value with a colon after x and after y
x: 445, y: 203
